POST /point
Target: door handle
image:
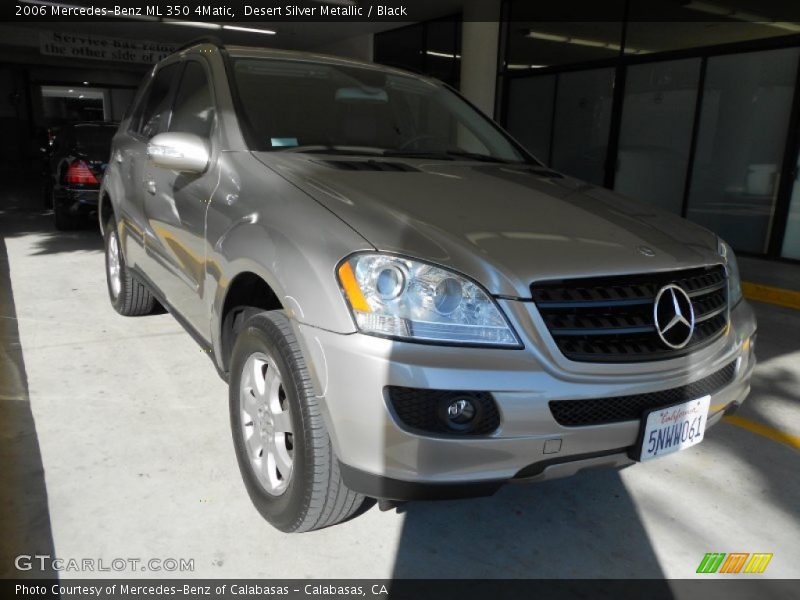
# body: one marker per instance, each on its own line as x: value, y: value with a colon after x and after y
x: 118, y: 156
x: 150, y: 186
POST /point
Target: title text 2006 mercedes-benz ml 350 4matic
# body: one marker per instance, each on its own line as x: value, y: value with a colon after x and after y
x: 404, y: 302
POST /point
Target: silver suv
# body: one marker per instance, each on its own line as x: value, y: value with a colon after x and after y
x: 404, y: 302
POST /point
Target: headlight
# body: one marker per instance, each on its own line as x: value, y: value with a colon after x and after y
x: 398, y: 297
x: 734, y: 281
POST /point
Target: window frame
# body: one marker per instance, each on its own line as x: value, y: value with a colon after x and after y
x: 184, y: 63
x: 135, y: 124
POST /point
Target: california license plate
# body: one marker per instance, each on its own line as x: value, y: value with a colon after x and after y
x: 667, y: 430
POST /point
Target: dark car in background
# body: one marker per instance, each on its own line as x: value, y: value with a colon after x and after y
x: 78, y: 158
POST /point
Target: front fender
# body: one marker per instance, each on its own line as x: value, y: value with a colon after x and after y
x: 259, y: 223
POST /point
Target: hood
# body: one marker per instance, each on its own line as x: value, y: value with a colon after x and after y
x: 505, y: 226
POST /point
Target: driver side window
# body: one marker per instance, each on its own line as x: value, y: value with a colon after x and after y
x: 156, y: 104
x: 194, y: 108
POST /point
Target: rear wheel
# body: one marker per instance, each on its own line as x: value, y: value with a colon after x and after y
x: 128, y: 296
x: 282, y: 446
x: 62, y: 220
x: 47, y: 191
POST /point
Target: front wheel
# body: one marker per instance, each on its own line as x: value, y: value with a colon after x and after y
x: 282, y: 446
x: 128, y: 296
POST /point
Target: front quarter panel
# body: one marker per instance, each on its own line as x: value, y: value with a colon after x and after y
x: 259, y: 223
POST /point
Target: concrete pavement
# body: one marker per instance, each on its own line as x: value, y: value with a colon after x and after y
x: 125, y: 423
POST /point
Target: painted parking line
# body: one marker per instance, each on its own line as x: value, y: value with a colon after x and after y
x: 771, y: 295
x: 766, y: 431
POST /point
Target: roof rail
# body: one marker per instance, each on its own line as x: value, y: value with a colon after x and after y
x: 206, y: 39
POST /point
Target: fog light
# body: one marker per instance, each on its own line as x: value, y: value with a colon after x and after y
x: 460, y: 413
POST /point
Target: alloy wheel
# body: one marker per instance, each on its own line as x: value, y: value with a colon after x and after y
x: 266, y: 423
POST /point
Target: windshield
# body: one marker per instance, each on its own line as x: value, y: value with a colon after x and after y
x: 94, y: 138
x: 316, y: 107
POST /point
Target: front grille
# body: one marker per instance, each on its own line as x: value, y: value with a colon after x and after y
x: 610, y: 319
x: 596, y: 411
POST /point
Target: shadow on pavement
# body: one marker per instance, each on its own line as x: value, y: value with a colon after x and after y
x: 22, y: 213
x: 24, y: 518
x: 774, y: 401
x: 582, y: 527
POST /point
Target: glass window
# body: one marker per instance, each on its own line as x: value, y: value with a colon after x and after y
x: 94, y: 138
x: 656, y: 131
x: 432, y: 47
x: 62, y: 104
x: 194, y: 109
x: 121, y: 103
x: 530, y: 113
x: 746, y: 104
x: 442, y: 54
x: 582, y: 123
x: 401, y: 47
x: 156, y: 104
x: 134, y: 110
x: 791, y: 239
x: 333, y: 108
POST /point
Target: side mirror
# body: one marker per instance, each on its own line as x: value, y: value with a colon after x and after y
x: 179, y: 152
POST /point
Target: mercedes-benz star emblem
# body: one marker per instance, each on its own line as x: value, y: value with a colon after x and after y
x: 674, y: 316
x: 646, y: 251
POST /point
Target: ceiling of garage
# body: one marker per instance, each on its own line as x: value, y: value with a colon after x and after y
x: 300, y: 35
x: 294, y: 35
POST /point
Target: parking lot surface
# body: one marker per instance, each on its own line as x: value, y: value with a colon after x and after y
x: 116, y: 438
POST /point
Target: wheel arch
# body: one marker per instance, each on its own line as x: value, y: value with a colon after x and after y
x: 246, y: 290
x: 105, y: 208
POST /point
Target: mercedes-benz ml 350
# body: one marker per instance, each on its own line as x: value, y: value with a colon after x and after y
x: 405, y: 303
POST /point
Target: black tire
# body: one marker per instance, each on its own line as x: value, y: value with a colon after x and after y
x: 133, y: 298
x: 47, y: 191
x: 316, y: 496
x: 64, y: 221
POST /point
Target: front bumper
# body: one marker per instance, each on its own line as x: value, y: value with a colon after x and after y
x: 382, y: 459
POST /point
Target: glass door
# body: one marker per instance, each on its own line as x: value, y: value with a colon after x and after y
x: 741, y: 139
x: 791, y: 239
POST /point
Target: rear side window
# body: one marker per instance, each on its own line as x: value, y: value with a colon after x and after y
x: 156, y: 104
x: 194, y: 109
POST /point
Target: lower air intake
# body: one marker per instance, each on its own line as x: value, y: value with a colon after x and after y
x: 596, y: 411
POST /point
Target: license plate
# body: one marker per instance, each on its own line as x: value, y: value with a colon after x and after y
x: 667, y: 430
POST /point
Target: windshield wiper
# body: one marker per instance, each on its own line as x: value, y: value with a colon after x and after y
x: 454, y: 154
x: 445, y: 155
x: 418, y: 154
x: 478, y: 156
x: 330, y: 149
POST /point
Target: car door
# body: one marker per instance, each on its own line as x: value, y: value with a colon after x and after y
x: 130, y: 157
x: 176, y: 202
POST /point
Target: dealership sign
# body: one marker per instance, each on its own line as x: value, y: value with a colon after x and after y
x: 72, y: 45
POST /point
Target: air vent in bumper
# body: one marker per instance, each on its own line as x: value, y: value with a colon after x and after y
x: 596, y: 411
x: 425, y: 411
